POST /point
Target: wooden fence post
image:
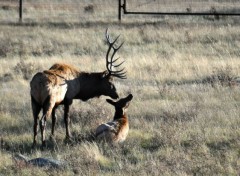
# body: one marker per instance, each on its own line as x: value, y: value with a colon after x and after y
x: 20, y: 10
x: 119, y: 10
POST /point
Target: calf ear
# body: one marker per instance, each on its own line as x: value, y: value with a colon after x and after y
x: 110, y: 101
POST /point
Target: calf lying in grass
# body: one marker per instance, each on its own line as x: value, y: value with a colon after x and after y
x: 116, y: 130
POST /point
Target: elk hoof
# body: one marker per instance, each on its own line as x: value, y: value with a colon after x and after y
x: 68, y: 140
x: 33, y: 145
x: 43, y: 145
x: 52, y: 138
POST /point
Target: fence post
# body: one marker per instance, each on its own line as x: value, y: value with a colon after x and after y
x: 124, y: 6
x: 20, y: 10
x: 119, y: 10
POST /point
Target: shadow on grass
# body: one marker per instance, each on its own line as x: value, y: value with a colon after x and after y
x: 79, y: 138
x: 18, y: 129
x: 52, y: 144
x: 16, y: 147
x: 152, y: 144
x: 224, y: 145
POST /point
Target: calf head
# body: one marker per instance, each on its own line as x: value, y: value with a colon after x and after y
x: 120, y: 105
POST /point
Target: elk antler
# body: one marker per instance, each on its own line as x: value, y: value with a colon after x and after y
x: 110, y: 63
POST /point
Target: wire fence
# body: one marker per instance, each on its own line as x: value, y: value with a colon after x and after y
x: 75, y: 10
x: 197, y: 6
x: 58, y: 10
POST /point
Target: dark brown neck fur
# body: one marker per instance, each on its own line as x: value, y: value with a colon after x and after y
x: 119, y: 114
x: 89, y: 85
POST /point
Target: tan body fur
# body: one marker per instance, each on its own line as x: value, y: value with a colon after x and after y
x: 114, y: 131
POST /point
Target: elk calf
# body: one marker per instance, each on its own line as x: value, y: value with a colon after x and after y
x: 116, y: 130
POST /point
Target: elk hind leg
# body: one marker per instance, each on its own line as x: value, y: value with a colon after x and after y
x: 36, y: 108
x: 47, y: 110
x: 43, y: 123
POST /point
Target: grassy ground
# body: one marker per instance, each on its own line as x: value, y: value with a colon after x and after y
x: 182, y: 72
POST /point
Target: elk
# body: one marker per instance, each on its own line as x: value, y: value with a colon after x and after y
x: 116, y: 130
x: 62, y: 83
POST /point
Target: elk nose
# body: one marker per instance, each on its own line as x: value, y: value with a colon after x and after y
x: 115, y: 96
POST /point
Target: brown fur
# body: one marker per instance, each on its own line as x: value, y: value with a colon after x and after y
x: 116, y: 130
x: 60, y: 85
x: 64, y: 70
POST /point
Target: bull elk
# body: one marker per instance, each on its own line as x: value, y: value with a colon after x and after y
x: 116, y: 130
x: 62, y: 83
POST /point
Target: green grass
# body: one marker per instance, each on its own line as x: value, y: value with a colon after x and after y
x: 182, y: 72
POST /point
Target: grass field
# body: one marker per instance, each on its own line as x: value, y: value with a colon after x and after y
x: 182, y: 71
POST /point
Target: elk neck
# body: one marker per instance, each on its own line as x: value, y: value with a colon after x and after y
x: 89, y: 85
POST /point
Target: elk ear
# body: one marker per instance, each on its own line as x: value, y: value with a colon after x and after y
x: 110, y: 102
x: 105, y: 75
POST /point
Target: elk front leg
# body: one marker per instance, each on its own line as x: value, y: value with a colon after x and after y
x: 67, y: 120
x: 53, y: 122
x: 35, y: 130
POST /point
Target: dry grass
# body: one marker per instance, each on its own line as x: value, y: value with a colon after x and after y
x: 183, y: 74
